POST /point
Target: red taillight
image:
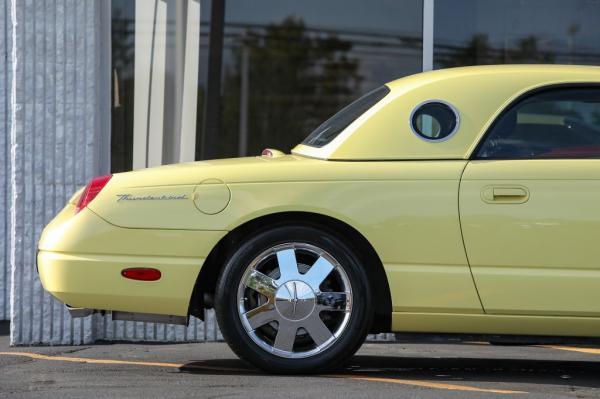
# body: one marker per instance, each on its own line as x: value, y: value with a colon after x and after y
x: 91, y: 191
x: 141, y: 273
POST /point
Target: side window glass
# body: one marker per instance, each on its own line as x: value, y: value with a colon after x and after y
x: 556, y: 123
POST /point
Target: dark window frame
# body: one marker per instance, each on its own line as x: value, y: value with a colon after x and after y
x: 522, y: 97
x: 210, y: 132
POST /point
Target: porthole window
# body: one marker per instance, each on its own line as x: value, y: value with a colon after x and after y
x: 434, y: 121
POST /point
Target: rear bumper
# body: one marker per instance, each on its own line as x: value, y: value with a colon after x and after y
x: 94, y: 281
x: 81, y: 256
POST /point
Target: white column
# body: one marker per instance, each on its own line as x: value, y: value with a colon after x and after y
x: 156, y: 99
x: 165, y: 114
x: 149, y: 88
x: 144, y: 14
x: 187, y: 143
x: 143, y: 50
x: 428, y: 16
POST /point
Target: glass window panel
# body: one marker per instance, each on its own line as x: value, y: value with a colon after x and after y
x: 161, y: 46
x: 289, y: 65
x: 123, y: 16
x: 558, y: 123
x: 333, y: 126
x: 473, y: 32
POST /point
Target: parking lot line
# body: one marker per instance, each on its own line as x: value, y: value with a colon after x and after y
x: 594, y: 351
x: 419, y: 383
x: 39, y: 356
x: 429, y: 384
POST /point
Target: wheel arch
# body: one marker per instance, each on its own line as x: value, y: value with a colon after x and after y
x: 203, y: 292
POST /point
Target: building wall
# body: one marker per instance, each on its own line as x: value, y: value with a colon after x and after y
x: 58, y: 105
x: 5, y: 71
x: 54, y: 148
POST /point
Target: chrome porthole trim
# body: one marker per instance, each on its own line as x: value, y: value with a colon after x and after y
x: 419, y: 135
x: 293, y: 302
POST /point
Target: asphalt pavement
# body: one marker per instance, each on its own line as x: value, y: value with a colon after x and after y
x: 379, y: 370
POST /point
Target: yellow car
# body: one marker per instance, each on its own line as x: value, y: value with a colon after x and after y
x: 455, y: 201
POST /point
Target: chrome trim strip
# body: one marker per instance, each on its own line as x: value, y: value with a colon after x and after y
x: 79, y: 312
x: 150, y: 318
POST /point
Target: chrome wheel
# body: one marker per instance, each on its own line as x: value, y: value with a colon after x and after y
x: 294, y: 300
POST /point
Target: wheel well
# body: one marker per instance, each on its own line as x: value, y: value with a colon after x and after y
x: 204, y: 289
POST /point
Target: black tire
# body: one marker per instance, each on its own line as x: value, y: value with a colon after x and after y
x: 232, y: 328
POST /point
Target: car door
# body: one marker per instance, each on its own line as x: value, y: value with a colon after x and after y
x: 530, y: 206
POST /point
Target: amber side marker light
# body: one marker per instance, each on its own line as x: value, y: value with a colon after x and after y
x: 91, y: 191
x: 141, y: 273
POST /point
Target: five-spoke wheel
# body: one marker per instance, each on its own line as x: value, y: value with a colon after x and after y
x: 286, y: 300
x: 293, y: 292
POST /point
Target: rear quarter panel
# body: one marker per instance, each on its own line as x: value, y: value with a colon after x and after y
x: 407, y: 210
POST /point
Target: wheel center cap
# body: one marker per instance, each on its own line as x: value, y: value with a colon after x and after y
x: 295, y: 300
